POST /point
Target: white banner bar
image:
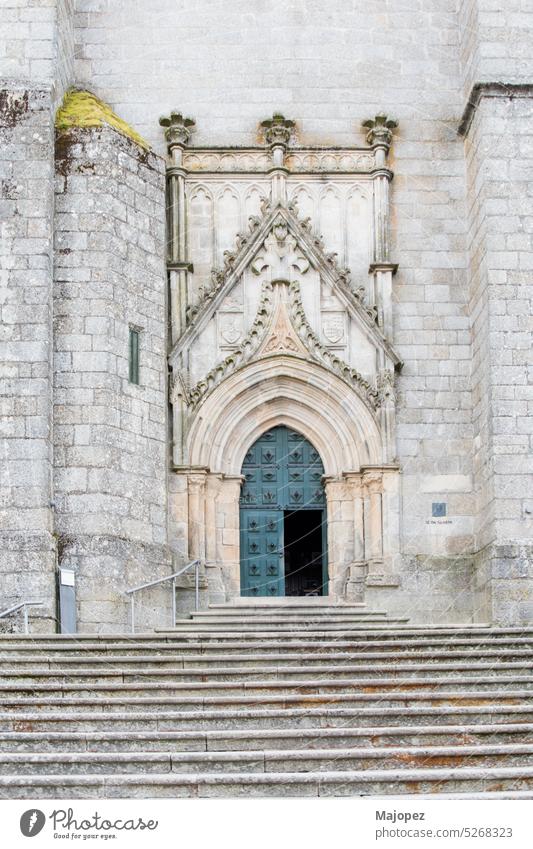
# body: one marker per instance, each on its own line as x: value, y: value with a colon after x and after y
x: 266, y: 823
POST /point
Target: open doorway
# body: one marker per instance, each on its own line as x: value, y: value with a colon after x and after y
x: 304, y: 553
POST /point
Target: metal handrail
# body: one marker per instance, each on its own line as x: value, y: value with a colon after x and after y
x: 133, y: 590
x: 25, y: 605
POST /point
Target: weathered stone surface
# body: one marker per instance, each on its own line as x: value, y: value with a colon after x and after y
x: 367, y: 736
x: 84, y: 465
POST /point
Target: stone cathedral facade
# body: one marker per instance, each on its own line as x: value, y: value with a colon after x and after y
x: 285, y: 331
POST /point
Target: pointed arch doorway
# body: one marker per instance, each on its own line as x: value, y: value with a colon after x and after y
x: 283, y: 540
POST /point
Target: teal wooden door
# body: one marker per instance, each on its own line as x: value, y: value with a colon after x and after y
x: 282, y: 471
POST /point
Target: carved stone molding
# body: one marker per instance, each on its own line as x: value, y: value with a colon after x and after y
x: 323, y: 354
x: 280, y: 339
x: 380, y: 130
x: 177, y: 129
x: 385, y: 386
x: 280, y: 253
x: 277, y: 130
x: 245, y: 350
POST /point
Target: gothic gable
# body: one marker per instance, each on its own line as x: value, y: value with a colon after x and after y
x: 279, y: 245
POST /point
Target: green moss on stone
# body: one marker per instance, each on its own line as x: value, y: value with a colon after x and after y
x: 83, y: 109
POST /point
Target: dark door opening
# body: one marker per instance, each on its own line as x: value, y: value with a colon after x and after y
x: 303, y: 550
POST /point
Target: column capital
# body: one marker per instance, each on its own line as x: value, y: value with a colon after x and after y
x: 380, y: 130
x: 277, y: 130
x: 391, y: 267
x: 177, y: 129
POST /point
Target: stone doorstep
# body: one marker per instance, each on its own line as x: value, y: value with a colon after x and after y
x: 266, y: 629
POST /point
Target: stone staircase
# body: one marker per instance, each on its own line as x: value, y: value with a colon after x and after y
x: 258, y: 700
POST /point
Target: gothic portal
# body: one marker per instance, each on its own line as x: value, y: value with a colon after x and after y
x: 285, y: 478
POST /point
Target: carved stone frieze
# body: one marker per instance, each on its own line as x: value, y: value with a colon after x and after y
x: 325, y: 161
x: 215, y: 161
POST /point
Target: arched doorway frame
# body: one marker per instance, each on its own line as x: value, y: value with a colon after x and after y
x: 306, y: 397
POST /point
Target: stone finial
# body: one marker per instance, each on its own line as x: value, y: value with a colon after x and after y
x: 277, y: 130
x: 178, y: 129
x: 380, y: 130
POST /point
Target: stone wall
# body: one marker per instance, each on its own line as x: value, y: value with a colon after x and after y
x: 496, y: 41
x: 27, y: 545
x: 28, y: 90
x: 235, y: 65
x: 461, y: 234
x: 110, y: 452
x: 499, y: 149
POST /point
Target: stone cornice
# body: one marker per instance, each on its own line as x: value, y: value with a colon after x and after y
x: 490, y: 89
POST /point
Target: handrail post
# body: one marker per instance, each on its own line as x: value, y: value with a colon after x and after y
x: 132, y: 613
x: 173, y: 602
x: 26, y: 620
x: 197, y: 585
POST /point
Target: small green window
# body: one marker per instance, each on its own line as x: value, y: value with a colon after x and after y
x: 134, y: 355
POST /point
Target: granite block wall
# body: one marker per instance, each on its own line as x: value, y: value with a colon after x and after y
x: 500, y: 167
x: 27, y: 544
x: 461, y: 234
x: 110, y: 435
x: 36, y: 64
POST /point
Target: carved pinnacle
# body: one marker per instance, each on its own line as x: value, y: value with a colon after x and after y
x: 178, y: 129
x: 277, y: 130
x: 380, y: 130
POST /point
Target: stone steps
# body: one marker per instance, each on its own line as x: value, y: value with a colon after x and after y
x: 258, y: 700
x: 216, y: 785
x: 267, y: 760
x: 265, y: 687
x: 349, y: 674
x: 328, y: 715
x: 198, y: 702
x: 198, y: 645
x: 268, y: 738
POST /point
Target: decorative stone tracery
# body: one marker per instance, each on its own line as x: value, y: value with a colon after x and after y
x: 280, y: 334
